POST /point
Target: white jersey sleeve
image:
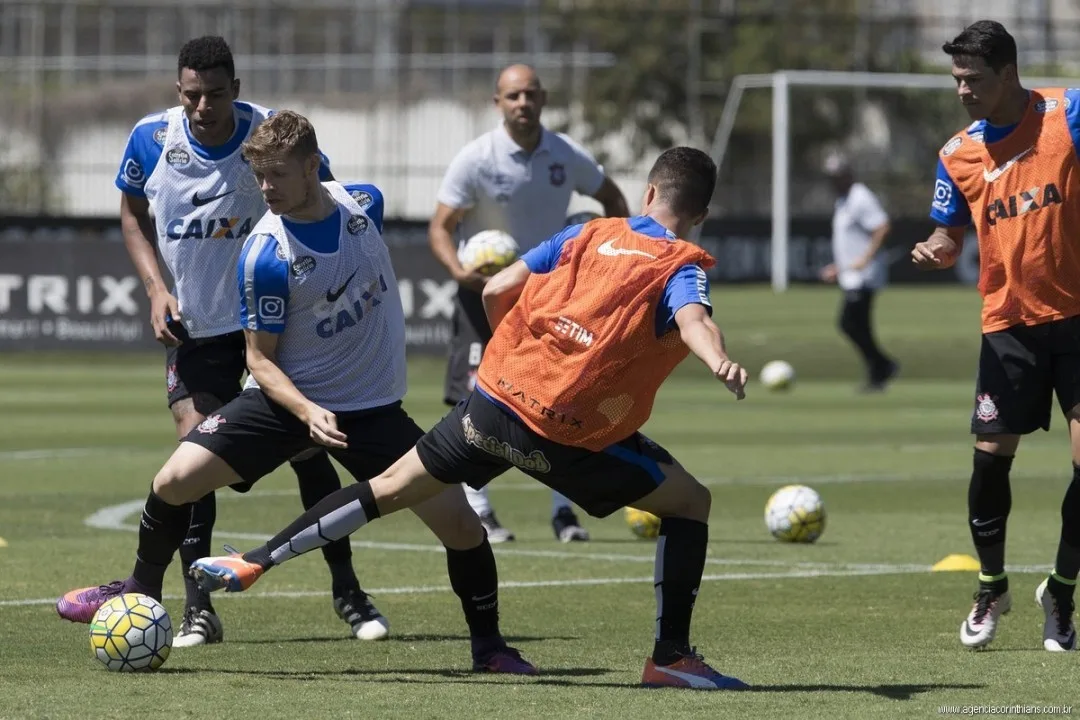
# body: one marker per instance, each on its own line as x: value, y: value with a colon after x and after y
x: 867, y: 208
x: 142, y: 153
x: 587, y: 173
x: 458, y: 189
x: 263, y: 279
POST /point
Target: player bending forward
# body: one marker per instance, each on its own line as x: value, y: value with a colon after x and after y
x: 325, y: 335
x: 588, y: 325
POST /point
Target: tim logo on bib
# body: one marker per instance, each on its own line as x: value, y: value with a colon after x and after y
x: 345, y: 305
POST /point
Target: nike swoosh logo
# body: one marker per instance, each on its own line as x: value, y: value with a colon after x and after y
x: 610, y: 250
x: 332, y: 296
x: 980, y: 523
x: 481, y: 598
x: 695, y: 681
x: 200, y: 201
x: 992, y: 175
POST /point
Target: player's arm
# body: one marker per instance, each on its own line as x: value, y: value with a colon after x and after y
x: 138, y: 230
x: 950, y: 210
x: 503, y: 290
x: 940, y: 250
x: 261, y: 348
x: 698, y: 331
x: 612, y: 199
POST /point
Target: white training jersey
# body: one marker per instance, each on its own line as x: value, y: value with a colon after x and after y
x: 523, y: 194
x: 205, y: 201
x: 329, y: 290
x: 855, y: 218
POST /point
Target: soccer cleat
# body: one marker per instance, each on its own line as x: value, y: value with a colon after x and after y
x: 367, y: 623
x: 496, y: 533
x: 231, y: 574
x: 80, y: 605
x: 566, y: 527
x: 504, y: 660
x: 690, y: 671
x: 1059, y: 632
x: 978, y: 629
x: 200, y: 627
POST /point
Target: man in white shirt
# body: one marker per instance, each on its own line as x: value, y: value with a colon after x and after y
x: 859, y: 228
x: 517, y: 178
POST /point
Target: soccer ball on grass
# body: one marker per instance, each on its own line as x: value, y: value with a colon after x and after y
x: 777, y: 375
x: 130, y: 633
x: 795, y: 513
x: 643, y: 524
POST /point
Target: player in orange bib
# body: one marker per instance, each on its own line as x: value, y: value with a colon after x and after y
x: 588, y: 325
x: 1014, y: 174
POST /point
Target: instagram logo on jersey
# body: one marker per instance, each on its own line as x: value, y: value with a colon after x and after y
x: 209, y: 228
x: 346, y: 305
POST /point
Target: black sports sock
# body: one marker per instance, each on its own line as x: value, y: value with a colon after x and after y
x: 680, y: 562
x: 335, y: 516
x: 161, y: 532
x: 1067, y: 563
x: 198, y: 544
x: 318, y: 479
x: 989, y: 503
x: 475, y: 579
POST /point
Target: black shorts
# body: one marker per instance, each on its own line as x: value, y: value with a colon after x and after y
x: 1020, y: 369
x: 479, y: 440
x: 470, y: 338
x: 255, y: 436
x: 205, y: 366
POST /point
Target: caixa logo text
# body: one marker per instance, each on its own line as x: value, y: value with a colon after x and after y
x: 62, y: 295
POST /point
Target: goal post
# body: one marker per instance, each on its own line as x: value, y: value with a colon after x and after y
x: 781, y: 83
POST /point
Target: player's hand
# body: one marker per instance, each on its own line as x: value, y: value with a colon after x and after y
x: 322, y: 426
x: 471, y: 279
x: 734, y: 377
x: 933, y: 254
x: 163, y: 308
x: 828, y: 273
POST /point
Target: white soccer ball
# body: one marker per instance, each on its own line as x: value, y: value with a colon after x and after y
x: 131, y: 632
x: 778, y: 375
x: 795, y: 513
x: 487, y: 252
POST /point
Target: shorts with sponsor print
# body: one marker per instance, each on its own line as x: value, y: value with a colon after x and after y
x: 1021, y: 368
x: 211, y: 366
x: 480, y: 440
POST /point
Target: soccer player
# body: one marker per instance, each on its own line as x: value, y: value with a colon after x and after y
x: 1014, y: 174
x: 517, y: 178
x: 859, y: 227
x: 325, y: 337
x: 587, y: 326
x: 185, y: 166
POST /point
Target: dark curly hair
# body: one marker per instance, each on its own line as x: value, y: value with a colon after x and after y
x: 986, y: 39
x: 206, y: 53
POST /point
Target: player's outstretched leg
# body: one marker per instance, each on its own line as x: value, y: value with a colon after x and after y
x: 683, y: 504
x: 1055, y: 594
x: 444, y: 509
x: 317, y: 479
x: 201, y: 625
x: 989, y: 503
x: 189, y: 474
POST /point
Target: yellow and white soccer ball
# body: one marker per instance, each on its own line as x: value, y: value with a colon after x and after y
x: 778, y: 375
x: 795, y: 513
x: 487, y: 252
x: 643, y: 524
x: 131, y: 633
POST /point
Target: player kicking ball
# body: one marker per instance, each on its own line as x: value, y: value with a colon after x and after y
x: 325, y: 342
x: 588, y: 325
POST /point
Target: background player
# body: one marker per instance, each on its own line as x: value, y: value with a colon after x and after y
x: 1013, y: 174
x: 859, y: 227
x: 185, y: 165
x: 591, y: 354
x: 517, y: 178
x: 325, y: 337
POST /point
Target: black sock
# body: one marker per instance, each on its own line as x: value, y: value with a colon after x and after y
x: 680, y: 562
x: 475, y: 579
x: 318, y: 479
x: 335, y: 516
x: 197, y: 545
x: 989, y: 503
x: 161, y: 532
x: 1067, y: 564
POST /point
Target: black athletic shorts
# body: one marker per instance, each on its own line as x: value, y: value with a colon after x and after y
x: 255, y: 436
x: 1020, y: 369
x: 471, y: 334
x: 211, y: 365
x: 479, y: 440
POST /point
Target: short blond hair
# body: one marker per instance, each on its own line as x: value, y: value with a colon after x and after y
x: 282, y: 134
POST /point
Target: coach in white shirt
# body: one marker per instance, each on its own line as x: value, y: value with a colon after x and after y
x: 517, y: 178
x: 859, y: 228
